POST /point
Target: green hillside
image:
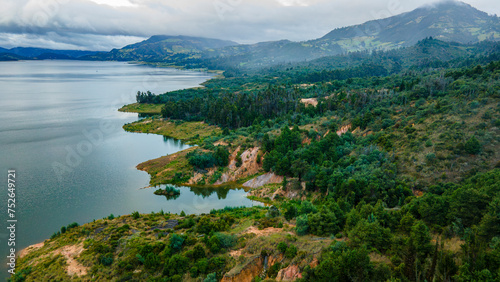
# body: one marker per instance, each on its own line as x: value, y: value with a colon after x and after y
x: 449, y: 21
x: 163, y: 48
x: 389, y: 164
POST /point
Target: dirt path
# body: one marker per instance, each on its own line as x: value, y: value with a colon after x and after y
x: 71, y: 252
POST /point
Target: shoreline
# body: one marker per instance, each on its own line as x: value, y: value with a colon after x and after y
x: 162, y: 169
x: 26, y: 251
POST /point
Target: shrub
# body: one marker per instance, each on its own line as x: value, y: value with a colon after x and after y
x: 106, y: 259
x: 302, y: 227
x: 212, y: 277
x: 193, y: 272
x: 176, y: 242
x: 282, y: 246
x: 200, y: 159
x: 214, y: 244
x: 226, y: 240
x: 198, y: 252
x: 136, y: 215
x: 204, y: 160
x: 472, y: 146
x: 177, y: 264
x: 273, y: 211
x: 291, y: 252
x: 431, y: 157
x: 273, y: 270
x: 306, y: 207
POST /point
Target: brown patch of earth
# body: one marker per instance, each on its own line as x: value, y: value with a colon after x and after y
x: 264, y: 232
x: 30, y: 249
x: 343, y: 130
x: 221, y: 143
x: 261, y: 180
x: 311, y: 101
x: 70, y: 253
x: 249, y: 166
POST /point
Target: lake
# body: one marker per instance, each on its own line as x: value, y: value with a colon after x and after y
x: 61, y: 132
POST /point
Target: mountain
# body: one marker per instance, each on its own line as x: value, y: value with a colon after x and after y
x: 9, y: 57
x: 31, y: 53
x: 450, y: 21
x: 447, y: 21
x: 164, y: 48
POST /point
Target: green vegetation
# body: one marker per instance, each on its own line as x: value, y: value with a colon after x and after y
x: 204, y: 160
x: 390, y: 172
x: 169, y: 192
x: 450, y: 21
x: 142, y: 108
x: 190, y: 132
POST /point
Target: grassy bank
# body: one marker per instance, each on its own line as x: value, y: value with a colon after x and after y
x: 189, y: 132
x: 152, y: 109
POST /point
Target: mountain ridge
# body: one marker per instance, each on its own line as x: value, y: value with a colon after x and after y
x: 450, y: 21
x: 163, y: 47
x: 34, y: 53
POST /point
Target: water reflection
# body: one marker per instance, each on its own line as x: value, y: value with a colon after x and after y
x: 207, y: 191
x: 204, y: 192
x: 172, y: 141
x: 171, y: 197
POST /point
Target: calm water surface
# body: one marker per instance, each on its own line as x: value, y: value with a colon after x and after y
x: 61, y: 131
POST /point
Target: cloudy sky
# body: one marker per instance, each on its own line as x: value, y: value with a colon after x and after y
x: 107, y: 24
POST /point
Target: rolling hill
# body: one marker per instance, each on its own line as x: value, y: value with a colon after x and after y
x: 447, y: 21
x: 163, y: 48
x: 450, y: 21
x: 32, y: 53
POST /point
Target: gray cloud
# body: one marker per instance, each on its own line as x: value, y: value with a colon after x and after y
x: 93, y: 24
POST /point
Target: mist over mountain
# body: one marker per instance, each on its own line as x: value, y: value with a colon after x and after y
x: 450, y: 21
x: 447, y: 21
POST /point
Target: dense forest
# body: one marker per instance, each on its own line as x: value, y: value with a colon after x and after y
x: 393, y: 158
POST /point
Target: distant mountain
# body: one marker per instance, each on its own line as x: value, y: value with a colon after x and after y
x: 163, y: 48
x: 451, y: 21
x: 31, y: 53
x: 9, y: 57
x: 427, y: 53
x: 448, y: 21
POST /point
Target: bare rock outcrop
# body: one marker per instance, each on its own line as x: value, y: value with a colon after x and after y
x: 261, y: 180
x: 290, y: 273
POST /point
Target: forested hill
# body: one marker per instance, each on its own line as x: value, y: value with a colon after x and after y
x: 383, y: 176
x: 449, y: 21
x: 31, y: 53
x: 163, y: 48
x: 374, y: 165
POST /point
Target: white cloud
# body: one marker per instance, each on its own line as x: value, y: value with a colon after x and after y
x: 115, y: 3
x: 105, y: 24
